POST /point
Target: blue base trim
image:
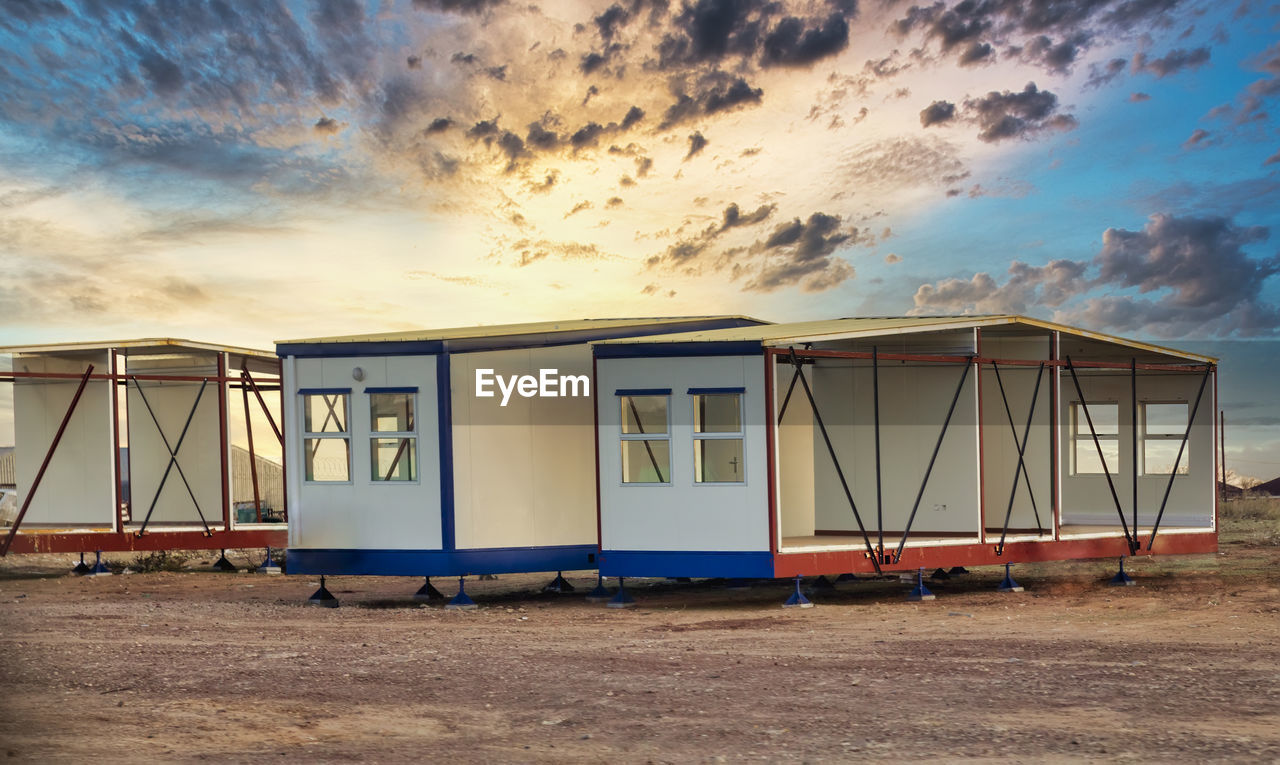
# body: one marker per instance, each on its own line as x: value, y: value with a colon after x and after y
x: 493, y: 560
x: 653, y: 350
x: 750, y: 564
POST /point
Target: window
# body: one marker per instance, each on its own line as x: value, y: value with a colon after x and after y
x: 393, y: 443
x: 1106, y: 424
x: 1163, y: 426
x: 717, y: 435
x: 326, y: 441
x: 646, y: 436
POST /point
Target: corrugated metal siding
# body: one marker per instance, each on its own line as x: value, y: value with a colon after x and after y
x: 7, y: 468
x: 270, y: 480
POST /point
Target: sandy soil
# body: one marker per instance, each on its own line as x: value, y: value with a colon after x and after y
x: 1183, y: 667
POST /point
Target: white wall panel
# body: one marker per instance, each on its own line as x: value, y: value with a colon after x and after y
x: 78, y: 487
x: 684, y: 515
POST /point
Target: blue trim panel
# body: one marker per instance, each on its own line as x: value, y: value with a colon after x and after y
x: 321, y: 391
x: 750, y: 564
x: 509, y: 342
x: 642, y: 392
x: 714, y: 391
x: 444, y: 424
x: 496, y: 560
x: 655, y: 350
x: 413, y: 389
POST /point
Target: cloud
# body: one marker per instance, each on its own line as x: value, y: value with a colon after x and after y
x: 697, y: 142
x: 1008, y: 114
x: 327, y: 126
x: 1172, y: 62
x: 1196, y: 138
x: 1273, y: 159
x: 1177, y: 276
x: 712, y: 92
x: 791, y: 44
x: 892, y: 258
x: 801, y: 253
x: 1137, y: 98
x: 1103, y: 74
x: 937, y: 113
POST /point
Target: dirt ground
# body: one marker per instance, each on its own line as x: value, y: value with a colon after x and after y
x: 183, y: 666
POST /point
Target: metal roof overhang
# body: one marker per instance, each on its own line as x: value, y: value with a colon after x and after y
x: 783, y: 335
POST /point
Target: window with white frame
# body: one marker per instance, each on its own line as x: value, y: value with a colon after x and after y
x: 717, y: 435
x: 393, y: 434
x: 326, y: 437
x: 1163, y: 426
x: 1106, y: 425
x: 645, y: 436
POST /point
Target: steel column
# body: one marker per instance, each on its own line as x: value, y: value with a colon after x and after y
x: 253, y: 457
x: 875, y: 403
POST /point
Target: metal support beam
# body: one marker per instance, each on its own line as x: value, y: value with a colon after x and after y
x: 929, y: 470
x: 1133, y: 433
x: 1022, y: 448
x: 817, y: 416
x: 253, y: 456
x: 48, y: 457
x: 875, y: 403
x: 248, y: 378
x: 1084, y: 407
x: 1174, y: 474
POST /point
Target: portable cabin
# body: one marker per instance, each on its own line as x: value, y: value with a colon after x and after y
x: 126, y: 445
x: 451, y: 451
x: 864, y: 444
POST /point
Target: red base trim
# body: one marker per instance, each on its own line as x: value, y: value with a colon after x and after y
x: 110, y: 541
x: 855, y: 561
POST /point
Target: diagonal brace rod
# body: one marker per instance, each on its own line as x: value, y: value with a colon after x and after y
x: 835, y: 460
x: 1022, y: 448
x: 48, y: 457
x: 640, y: 426
x: 173, y: 458
x: 1084, y: 407
x: 1186, y: 435
x: 1013, y: 430
x: 964, y: 376
x: 248, y: 378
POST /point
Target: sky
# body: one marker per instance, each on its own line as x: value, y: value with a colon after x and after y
x: 243, y: 172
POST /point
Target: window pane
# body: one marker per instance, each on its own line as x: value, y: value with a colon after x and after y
x: 1158, y: 457
x: 325, y: 413
x: 1106, y: 419
x: 644, y: 414
x: 394, y: 459
x: 717, y: 413
x: 718, y: 460
x: 645, y: 461
x: 1087, y: 456
x: 327, y: 459
x: 391, y: 412
x: 1165, y: 419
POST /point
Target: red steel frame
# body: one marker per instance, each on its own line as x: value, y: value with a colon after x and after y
x: 119, y: 538
x: 855, y: 560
